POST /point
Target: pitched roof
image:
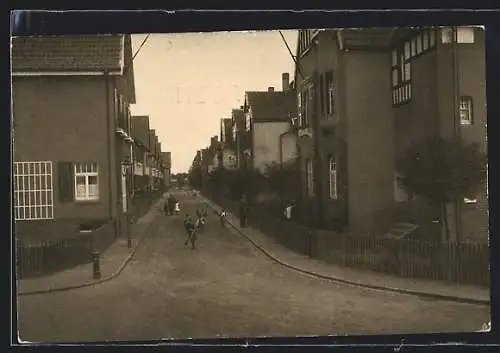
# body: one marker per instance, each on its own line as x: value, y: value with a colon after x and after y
x: 68, y: 53
x: 272, y: 106
x: 140, y: 129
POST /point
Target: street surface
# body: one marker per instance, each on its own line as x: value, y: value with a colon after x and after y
x: 225, y: 288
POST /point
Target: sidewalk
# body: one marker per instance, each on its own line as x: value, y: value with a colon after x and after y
x: 413, y: 286
x: 112, y: 262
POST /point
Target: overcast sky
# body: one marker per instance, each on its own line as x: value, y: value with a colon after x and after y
x: 187, y: 82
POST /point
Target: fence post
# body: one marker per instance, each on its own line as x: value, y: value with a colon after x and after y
x: 97, y: 265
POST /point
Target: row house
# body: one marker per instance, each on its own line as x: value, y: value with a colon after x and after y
x: 71, y: 132
x: 240, y: 136
x: 166, y: 158
x: 227, y: 147
x: 154, y: 161
x: 363, y: 96
x: 268, y: 117
x: 140, y: 134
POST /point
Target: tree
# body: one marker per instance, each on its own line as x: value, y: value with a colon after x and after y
x: 285, y: 179
x: 237, y: 182
x: 443, y: 171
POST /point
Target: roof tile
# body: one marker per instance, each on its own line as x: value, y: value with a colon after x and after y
x: 272, y: 106
x: 67, y: 53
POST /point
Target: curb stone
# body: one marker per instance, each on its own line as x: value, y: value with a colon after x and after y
x: 97, y: 281
x: 274, y: 258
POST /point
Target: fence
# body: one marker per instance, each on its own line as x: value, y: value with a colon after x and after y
x: 142, y: 202
x: 466, y: 263
x: 35, y: 259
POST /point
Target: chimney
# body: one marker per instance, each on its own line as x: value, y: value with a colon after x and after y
x: 270, y: 89
x: 285, y: 78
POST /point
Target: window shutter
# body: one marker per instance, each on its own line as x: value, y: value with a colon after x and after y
x: 65, y: 181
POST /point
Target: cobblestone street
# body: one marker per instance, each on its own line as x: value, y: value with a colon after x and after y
x: 225, y: 288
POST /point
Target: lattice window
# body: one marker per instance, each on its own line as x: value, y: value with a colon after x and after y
x: 86, y: 181
x: 33, y: 190
x: 466, y: 110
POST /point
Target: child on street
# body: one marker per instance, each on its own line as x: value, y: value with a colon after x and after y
x: 190, y: 227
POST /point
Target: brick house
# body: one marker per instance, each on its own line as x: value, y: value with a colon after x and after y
x: 71, y: 122
x: 364, y: 95
x: 268, y: 115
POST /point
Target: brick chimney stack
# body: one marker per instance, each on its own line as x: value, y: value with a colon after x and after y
x: 285, y: 78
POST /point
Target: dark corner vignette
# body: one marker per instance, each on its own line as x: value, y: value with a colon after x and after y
x: 164, y: 192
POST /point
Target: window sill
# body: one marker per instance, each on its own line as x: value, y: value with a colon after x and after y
x: 80, y: 202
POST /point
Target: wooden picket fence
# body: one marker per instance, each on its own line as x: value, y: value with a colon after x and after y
x: 465, y: 263
x: 46, y: 257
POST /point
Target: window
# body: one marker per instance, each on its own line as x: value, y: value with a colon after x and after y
x: 304, y: 98
x: 425, y: 41
x: 309, y: 178
x: 419, y: 44
x: 323, y: 86
x: 464, y: 35
x: 470, y: 201
x: 330, y: 102
x: 465, y: 110
x: 332, y: 173
x: 33, y: 191
x: 304, y: 40
x: 86, y: 181
x: 432, y: 38
x: 401, y: 75
x: 407, y: 50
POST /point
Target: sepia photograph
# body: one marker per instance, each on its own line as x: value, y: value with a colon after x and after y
x: 233, y: 184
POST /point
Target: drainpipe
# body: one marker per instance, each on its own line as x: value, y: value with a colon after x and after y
x: 281, y: 162
x: 109, y: 128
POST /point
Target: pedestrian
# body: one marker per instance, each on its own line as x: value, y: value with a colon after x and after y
x: 222, y: 217
x: 171, y: 203
x: 166, y: 207
x: 288, y: 210
x: 190, y: 227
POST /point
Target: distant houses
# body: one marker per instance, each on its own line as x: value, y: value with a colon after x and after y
x: 79, y: 155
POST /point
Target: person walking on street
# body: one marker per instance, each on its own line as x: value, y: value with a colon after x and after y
x: 171, y: 203
x: 190, y: 227
x: 222, y: 218
x: 166, y: 207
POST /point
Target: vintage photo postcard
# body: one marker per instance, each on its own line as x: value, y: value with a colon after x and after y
x: 305, y: 182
